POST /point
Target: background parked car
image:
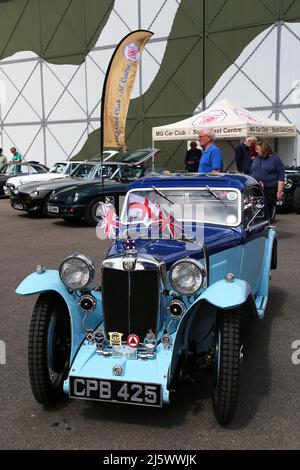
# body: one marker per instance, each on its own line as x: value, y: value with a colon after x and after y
x: 81, y: 200
x: 59, y: 170
x: 74, y: 203
x: 292, y: 189
x: 32, y: 197
x: 20, y: 169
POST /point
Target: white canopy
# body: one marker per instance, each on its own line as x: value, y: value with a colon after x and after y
x: 229, y: 121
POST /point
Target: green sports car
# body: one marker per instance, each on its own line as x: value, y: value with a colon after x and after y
x: 81, y: 201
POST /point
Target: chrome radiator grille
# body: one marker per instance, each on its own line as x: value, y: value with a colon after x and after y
x: 130, y: 300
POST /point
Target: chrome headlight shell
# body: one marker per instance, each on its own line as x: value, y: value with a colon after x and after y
x: 77, y: 271
x: 187, y: 276
x: 34, y: 193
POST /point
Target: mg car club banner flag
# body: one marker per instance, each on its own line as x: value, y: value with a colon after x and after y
x: 118, y: 85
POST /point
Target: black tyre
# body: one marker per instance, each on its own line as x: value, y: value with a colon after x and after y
x: 49, y: 348
x: 90, y: 214
x: 296, y: 201
x: 227, y: 366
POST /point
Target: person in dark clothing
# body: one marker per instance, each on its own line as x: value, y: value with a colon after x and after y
x: 243, y: 156
x: 192, y: 158
x: 268, y: 170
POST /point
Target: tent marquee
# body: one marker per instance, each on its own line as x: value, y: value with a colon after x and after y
x: 229, y: 121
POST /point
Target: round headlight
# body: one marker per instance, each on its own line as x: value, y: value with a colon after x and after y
x: 34, y: 193
x: 76, y: 197
x: 187, y: 276
x: 77, y: 271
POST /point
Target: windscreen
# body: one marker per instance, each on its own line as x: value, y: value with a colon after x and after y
x: 58, y: 168
x: 84, y: 170
x: 217, y: 206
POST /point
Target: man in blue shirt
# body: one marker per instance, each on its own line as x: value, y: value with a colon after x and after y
x: 212, y: 158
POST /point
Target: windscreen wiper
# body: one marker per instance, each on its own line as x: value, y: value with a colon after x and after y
x: 162, y: 195
x: 215, y: 195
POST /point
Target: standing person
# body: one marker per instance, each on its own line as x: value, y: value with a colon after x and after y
x: 17, y: 157
x: 123, y: 152
x: 212, y: 158
x: 3, y: 159
x: 268, y: 170
x: 243, y: 155
x: 192, y: 158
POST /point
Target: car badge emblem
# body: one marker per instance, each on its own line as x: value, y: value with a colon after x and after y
x: 166, y: 341
x: 129, y: 264
x: 150, y: 340
x: 115, y: 338
x: 133, y: 341
x: 99, y: 337
x: 90, y: 337
x: 117, y: 370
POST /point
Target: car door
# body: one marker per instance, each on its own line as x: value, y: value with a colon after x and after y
x: 255, y: 221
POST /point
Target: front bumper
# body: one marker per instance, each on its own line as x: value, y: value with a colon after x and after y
x: 88, y: 364
x: 26, y: 203
x: 65, y: 210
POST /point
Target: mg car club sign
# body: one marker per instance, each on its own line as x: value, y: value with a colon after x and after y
x: 228, y: 121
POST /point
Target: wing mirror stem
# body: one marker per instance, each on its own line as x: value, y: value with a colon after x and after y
x: 260, y: 208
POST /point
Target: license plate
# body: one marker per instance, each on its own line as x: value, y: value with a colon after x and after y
x: 53, y: 209
x: 116, y: 391
x: 18, y: 206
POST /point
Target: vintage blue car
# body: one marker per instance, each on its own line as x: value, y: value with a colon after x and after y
x: 176, y: 284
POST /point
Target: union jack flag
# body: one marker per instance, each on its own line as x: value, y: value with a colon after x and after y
x: 169, y: 227
x: 110, y: 224
x: 143, y: 209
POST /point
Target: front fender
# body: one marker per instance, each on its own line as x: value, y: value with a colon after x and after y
x: 201, y: 314
x: 49, y: 281
x: 223, y: 294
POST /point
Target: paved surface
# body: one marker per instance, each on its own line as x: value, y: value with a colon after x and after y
x: 268, y: 414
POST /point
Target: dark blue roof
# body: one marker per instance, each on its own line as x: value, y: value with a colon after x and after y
x: 237, y: 181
